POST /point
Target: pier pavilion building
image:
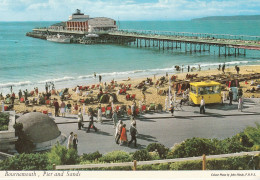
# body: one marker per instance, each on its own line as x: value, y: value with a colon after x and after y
x: 81, y: 22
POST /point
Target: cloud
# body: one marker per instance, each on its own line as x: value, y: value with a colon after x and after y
x: 125, y: 10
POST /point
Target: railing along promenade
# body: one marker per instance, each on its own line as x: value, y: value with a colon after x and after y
x: 135, y: 163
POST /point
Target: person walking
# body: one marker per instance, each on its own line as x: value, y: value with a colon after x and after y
x: 62, y: 108
x: 118, y: 130
x: 188, y: 68
x: 166, y: 104
x: 100, y: 78
x: 133, y: 110
x: 202, y: 106
x: 91, y: 123
x: 68, y: 107
x: 133, y: 132
x: 230, y: 95
x: 172, y: 108
x: 123, y: 137
x: 46, y: 88
x: 223, y: 68
x: 95, y: 75
x: 70, y: 141
x: 20, y: 94
x: 56, y: 107
x: 99, y: 115
x: 3, y: 106
x: 75, y: 142
x: 114, y: 118
x: 80, y: 120
x: 240, y: 104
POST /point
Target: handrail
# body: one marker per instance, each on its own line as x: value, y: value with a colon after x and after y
x: 134, y: 164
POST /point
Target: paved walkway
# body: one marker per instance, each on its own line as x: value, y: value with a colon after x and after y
x: 220, y: 121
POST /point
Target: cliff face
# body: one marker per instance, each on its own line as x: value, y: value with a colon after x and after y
x: 242, y: 17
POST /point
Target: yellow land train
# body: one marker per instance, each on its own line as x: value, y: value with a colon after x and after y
x: 210, y: 90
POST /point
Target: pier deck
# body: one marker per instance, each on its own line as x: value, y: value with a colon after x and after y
x: 244, y: 44
x: 221, y: 44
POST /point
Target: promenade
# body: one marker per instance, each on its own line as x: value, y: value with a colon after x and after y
x: 220, y: 121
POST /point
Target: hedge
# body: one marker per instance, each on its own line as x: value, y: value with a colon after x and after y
x: 4, y: 121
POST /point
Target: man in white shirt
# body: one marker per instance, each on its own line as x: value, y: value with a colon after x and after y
x: 202, y: 106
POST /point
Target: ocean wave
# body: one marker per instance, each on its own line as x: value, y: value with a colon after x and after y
x: 22, y: 83
x: 58, y: 79
x: 122, y: 73
x: 85, y: 76
x: 220, y: 63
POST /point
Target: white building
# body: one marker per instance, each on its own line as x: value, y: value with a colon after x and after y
x: 80, y: 22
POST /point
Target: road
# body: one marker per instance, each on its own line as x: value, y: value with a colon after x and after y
x: 218, y: 122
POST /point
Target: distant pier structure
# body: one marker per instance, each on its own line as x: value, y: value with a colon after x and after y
x: 214, y: 44
x: 83, y: 29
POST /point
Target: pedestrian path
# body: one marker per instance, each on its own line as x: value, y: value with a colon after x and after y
x: 251, y: 106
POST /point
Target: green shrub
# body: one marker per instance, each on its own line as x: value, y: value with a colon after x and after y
x: 142, y: 155
x: 116, y: 156
x: 3, y: 127
x: 193, y: 147
x: 4, y: 121
x: 91, y: 156
x: 253, y: 134
x: 232, y: 145
x: 161, y: 149
x: 60, y: 155
x: 25, y: 162
x: 154, y: 155
x: 18, y: 128
x: 23, y: 144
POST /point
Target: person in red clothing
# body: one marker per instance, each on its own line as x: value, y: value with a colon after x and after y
x: 123, y: 137
x: 56, y: 105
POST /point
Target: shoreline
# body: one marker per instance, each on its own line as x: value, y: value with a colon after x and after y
x: 70, y: 81
x: 151, y: 95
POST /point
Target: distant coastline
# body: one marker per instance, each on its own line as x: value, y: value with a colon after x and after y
x: 240, y: 17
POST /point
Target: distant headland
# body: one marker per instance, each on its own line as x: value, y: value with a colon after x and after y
x: 240, y: 17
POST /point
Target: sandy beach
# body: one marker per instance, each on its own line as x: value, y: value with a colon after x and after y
x: 151, y: 95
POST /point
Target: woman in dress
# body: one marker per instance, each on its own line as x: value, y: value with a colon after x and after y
x: 123, y: 137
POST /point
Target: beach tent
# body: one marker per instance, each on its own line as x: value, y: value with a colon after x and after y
x: 104, y: 98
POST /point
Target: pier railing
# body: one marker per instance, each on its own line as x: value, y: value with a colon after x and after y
x: 192, y: 35
x: 164, y: 33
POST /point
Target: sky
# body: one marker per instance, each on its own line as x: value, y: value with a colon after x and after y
x: 59, y: 10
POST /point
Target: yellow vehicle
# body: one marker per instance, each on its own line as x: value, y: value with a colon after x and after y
x: 210, y: 90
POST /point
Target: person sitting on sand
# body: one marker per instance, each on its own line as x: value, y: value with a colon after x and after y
x: 128, y: 79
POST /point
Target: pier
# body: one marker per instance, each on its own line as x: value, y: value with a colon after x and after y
x: 219, y: 44
x: 213, y: 44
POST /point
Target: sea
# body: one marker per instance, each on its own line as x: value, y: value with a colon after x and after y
x: 27, y: 62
